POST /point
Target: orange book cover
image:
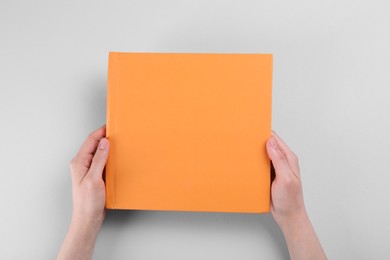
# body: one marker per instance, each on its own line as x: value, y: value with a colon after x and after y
x: 187, y: 132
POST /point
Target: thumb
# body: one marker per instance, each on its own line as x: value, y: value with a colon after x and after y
x: 99, y: 159
x: 278, y: 158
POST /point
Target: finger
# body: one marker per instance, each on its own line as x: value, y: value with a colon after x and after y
x: 279, y: 160
x: 83, y: 159
x: 292, y: 158
x: 99, y: 160
x: 79, y: 167
x: 90, y: 144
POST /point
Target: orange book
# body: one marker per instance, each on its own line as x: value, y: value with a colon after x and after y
x: 187, y: 132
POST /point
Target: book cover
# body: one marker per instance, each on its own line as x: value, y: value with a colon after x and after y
x: 187, y: 132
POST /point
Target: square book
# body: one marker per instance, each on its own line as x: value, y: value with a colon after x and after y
x: 187, y: 132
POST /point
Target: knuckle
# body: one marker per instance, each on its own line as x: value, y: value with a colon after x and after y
x: 82, y: 161
x: 90, y: 183
x: 73, y: 162
x: 288, y: 181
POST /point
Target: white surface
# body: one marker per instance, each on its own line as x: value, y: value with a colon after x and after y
x: 330, y: 103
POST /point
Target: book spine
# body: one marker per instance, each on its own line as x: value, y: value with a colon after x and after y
x: 111, y: 131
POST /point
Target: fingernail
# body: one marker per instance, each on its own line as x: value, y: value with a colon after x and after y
x: 272, y: 142
x: 103, y: 144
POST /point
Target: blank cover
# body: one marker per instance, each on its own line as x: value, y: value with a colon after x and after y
x: 187, y: 132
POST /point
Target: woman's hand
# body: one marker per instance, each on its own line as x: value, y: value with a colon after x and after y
x: 89, y: 197
x: 287, y: 204
x: 88, y: 188
x: 286, y: 190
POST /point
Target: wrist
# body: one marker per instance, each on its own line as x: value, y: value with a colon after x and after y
x: 293, y: 221
x: 89, y: 219
x: 80, y: 239
x: 295, y: 227
x: 301, y: 239
x: 86, y: 226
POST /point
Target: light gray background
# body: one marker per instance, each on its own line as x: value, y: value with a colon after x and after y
x: 330, y: 104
